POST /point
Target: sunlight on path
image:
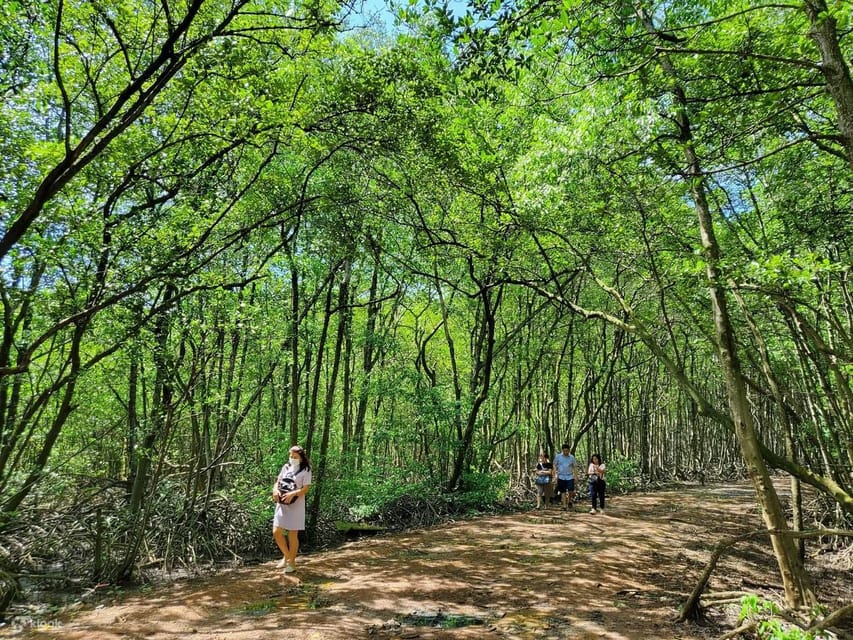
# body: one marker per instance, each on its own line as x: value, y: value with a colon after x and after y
x: 617, y: 576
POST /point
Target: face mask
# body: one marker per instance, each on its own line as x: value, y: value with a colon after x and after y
x: 294, y: 462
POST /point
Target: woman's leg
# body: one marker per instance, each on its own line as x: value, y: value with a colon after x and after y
x: 281, y: 542
x: 592, y: 494
x: 602, y: 485
x: 292, y: 546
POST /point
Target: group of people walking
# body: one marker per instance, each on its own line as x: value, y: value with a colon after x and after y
x: 294, y: 481
x: 563, y: 470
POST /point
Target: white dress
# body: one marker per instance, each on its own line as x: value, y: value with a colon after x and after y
x: 291, y: 517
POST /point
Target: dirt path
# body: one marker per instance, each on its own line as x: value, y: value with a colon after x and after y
x: 550, y: 574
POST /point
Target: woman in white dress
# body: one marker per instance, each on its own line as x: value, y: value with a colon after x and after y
x: 288, y: 492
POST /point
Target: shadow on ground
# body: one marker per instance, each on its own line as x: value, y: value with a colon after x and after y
x: 618, y: 576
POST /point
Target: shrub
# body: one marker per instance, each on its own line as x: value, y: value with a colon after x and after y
x: 769, y: 626
x: 623, y: 475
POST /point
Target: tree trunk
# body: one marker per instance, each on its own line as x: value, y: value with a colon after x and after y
x: 833, y: 66
x: 798, y: 590
x: 159, y: 424
x: 294, y: 351
x: 318, y: 371
x: 348, y: 461
x: 368, y: 362
x: 320, y: 463
x: 782, y: 409
x: 481, y: 378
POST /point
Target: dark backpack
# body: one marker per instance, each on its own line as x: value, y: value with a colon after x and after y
x: 287, y: 484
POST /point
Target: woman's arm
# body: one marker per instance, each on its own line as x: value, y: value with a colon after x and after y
x: 301, y: 491
x: 305, y: 478
x: 290, y: 496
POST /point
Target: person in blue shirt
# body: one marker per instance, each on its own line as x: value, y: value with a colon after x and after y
x: 564, y: 464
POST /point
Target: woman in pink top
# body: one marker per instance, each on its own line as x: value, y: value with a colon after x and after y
x: 595, y: 472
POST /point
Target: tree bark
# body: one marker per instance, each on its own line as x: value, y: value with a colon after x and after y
x: 294, y: 349
x: 318, y: 371
x: 798, y: 589
x: 320, y: 461
x: 368, y: 362
x: 481, y: 378
x: 833, y: 66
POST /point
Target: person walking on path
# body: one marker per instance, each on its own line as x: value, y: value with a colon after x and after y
x: 543, y: 480
x: 288, y: 492
x: 595, y: 472
x: 564, y: 464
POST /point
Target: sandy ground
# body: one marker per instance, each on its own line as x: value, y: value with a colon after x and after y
x: 617, y: 575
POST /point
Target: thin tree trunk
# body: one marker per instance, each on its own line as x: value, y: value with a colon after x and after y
x: 159, y: 424
x: 368, y: 362
x: 481, y: 379
x: 318, y: 371
x: 454, y: 366
x: 321, y: 461
x: 37, y: 467
x: 348, y: 461
x: 294, y: 351
x: 132, y: 413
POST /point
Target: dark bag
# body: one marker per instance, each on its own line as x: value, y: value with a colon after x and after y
x: 286, y: 484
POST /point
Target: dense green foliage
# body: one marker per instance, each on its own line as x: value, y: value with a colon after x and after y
x: 425, y: 254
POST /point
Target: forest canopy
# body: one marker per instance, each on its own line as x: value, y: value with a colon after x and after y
x: 426, y: 249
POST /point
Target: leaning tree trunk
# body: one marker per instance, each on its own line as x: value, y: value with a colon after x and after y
x: 833, y: 66
x: 778, y: 398
x: 798, y: 590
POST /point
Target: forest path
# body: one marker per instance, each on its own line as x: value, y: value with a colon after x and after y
x: 550, y: 574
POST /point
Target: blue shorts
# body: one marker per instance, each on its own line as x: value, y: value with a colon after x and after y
x: 565, y: 485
